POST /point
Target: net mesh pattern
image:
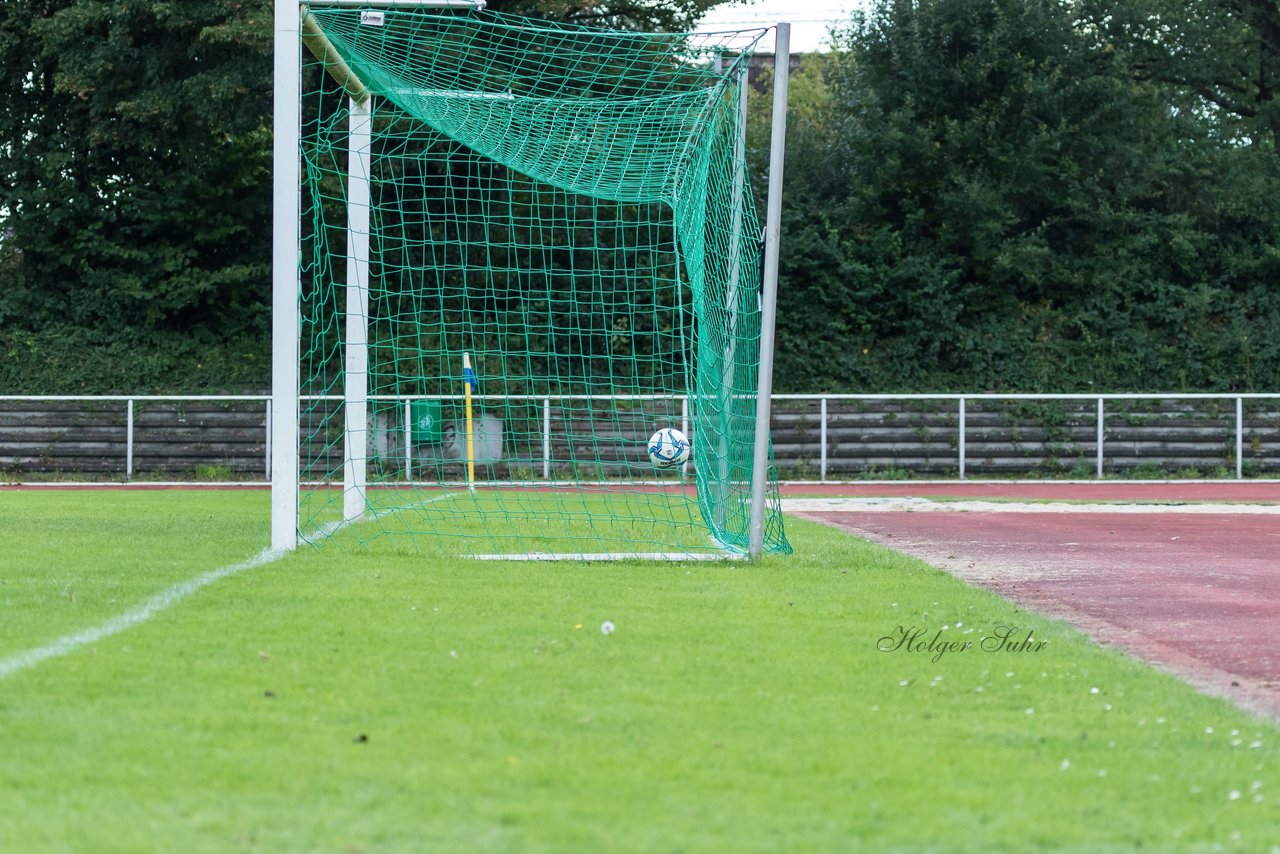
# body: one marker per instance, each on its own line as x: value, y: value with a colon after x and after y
x: 568, y: 207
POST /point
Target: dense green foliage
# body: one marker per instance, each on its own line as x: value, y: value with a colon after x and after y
x: 990, y: 195
x: 997, y: 196
x: 135, y: 182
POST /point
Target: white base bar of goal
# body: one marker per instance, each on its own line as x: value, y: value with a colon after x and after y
x: 599, y: 556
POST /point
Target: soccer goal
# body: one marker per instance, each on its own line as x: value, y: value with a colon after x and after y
x: 507, y: 252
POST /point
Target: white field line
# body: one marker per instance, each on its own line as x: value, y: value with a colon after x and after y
x: 161, y: 601
x: 596, y: 557
x: 165, y: 599
x: 383, y: 512
x: 924, y: 505
x: 328, y: 529
x: 140, y: 614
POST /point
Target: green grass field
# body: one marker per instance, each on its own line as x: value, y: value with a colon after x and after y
x: 361, y: 696
x: 453, y: 522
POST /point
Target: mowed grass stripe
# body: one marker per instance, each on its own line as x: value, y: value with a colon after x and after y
x: 363, y: 696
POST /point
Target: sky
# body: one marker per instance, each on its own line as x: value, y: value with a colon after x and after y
x: 809, y: 19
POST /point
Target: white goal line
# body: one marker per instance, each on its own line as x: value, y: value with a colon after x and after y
x: 611, y: 556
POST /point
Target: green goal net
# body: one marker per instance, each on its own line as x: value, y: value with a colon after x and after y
x: 526, y: 248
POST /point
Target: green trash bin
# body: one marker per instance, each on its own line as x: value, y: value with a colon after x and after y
x: 427, y: 422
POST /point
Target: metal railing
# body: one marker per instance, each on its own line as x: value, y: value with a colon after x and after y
x: 130, y: 400
x: 961, y: 401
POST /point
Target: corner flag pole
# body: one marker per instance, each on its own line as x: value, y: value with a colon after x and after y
x: 469, y: 380
x: 769, y: 298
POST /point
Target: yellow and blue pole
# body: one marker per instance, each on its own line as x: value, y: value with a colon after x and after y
x: 472, y: 386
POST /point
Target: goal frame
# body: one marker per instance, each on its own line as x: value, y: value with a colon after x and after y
x: 283, y: 412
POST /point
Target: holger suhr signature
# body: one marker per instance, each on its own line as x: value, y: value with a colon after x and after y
x: 919, y: 640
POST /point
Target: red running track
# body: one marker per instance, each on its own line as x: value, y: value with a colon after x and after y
x: 1198, y: 594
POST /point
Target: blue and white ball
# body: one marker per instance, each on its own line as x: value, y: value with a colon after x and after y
x: 669, y: 448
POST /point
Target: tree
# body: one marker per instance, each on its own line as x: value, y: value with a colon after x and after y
x: 823, y: 319
x: 137, y: 179
x: 1008, y: 208
x: 1224, y: 54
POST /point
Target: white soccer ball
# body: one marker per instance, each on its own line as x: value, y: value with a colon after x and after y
x: 668, y: 448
